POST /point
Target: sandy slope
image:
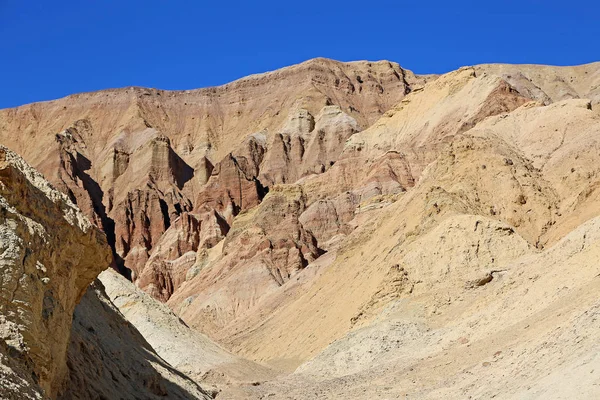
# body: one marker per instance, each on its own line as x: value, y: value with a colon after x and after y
x: 188, y: 351
x: 531, y: 332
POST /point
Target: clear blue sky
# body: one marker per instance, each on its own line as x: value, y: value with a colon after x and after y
x: 49, y: 49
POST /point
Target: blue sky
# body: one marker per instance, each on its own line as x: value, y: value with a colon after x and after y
x: 49, y: 49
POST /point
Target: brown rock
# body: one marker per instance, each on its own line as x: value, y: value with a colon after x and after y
x: 230, y: 189
x: 277, y: 219
x: 174, y: 254
x: 308, y: 148
x: 131, y: 158
x: 264, y: 249
x: 330, y: 217
x: 453, y: 178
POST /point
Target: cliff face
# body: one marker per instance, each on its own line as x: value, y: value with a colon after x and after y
x: 50, y: 254
x: 135, y: 159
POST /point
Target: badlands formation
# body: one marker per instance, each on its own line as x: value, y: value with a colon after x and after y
x: 325, y: 231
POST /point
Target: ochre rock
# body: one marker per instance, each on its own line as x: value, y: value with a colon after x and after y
x: 50, y: 254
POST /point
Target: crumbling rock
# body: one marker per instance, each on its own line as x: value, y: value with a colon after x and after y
x: 50, y: 253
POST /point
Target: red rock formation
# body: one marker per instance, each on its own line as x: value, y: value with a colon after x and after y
x: 134, y: 159
x: 275, y: 235
x: 175, y: 253
x: 233, y: 185
x: 150, y: 199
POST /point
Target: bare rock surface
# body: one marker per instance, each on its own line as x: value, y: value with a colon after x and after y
x: 51, y: 346
x: 265, y: 248
x: 134, y: 159
x: 50, y: 253
x: 478, y: 342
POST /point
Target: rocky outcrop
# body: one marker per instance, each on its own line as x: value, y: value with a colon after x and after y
x: 284, y: 159
x: 50, y: 253
x: 274, y: 234
x: 175, y: 253
x: 279, y: 213
x: 134, y: 159
x: 53, y: 347
x: 265, y: 248
x: 332, y: 128
x: 234, y: 185
x: 327, y: 218
x: 389, y: 157
x: 425, y: 137
x: 68, y: 169
x: 154, y: 161
x: 149, y: 200
x: 140, y: 221
x: 307, y: 145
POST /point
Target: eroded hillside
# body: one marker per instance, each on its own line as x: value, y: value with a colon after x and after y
x: 340, y: 229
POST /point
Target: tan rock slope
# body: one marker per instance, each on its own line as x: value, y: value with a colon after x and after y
x: 185, y: 349
x: 341, y: 230
x: 530, y: 332
x: 108, y: 358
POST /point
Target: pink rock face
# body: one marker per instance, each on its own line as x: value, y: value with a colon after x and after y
x: 233, y: 186
x: 140, y: 220
x: 265, y: 248
x: 150, y: 198
x: 137, y: 159
x: 174, y: 254
x: 283, y: 160
x: 229, y: 190
x: 329, y: 217
x: 69, y: 170
x: 306, y: 148
x: 275, y: 235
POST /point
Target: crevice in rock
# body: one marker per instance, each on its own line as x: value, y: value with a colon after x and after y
x: 81, y: 164
x: 260, y: 189
x: 164, y: 209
